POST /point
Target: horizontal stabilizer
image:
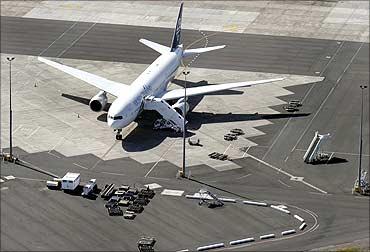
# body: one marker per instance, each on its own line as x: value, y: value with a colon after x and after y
x: 190, y: 52
x: 155, y: 46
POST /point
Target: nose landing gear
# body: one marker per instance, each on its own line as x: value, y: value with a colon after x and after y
x: 119, y: 134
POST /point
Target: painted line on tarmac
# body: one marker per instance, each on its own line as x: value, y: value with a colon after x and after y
x: 287, y: 174
x: 245, y: 176
x: 313, y: 228
x: 281, y: 182
x: 67, y: 30
x: 112, y: 173
x: 83, y: 167
x: 160, y: 159
x: 228, y: 147
x: 326, y: 98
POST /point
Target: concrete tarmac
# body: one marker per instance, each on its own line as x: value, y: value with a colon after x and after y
x: 333, y: 106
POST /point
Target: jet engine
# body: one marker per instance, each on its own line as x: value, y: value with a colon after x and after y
x: 179, y: 106
x: 98, y: 102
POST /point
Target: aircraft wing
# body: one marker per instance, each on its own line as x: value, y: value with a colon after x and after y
x: 112, y: 87
x: 179, y: 93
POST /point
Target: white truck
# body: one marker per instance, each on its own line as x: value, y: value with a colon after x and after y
x: 89, y: 187
x: 70, y: 181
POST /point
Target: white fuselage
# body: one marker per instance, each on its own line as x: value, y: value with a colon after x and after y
x: 152, y: 82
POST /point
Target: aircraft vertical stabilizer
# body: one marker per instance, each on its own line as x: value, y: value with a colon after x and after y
x: 176, y: 39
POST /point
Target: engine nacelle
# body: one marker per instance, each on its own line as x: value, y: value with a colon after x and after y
x: 98, y: 102
x: 179, y: 106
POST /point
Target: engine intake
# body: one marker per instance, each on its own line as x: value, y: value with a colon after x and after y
x: 98, y: 102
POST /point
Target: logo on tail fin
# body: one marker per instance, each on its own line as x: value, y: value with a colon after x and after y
x: 176, y: 39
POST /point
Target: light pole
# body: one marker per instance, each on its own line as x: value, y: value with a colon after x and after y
x: 185, y: 72
x: 360, y: 147
x: 10, y: 59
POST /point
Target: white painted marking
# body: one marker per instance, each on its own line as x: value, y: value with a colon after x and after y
x: 286, y: 159
x: 61, y: 139
x: 213, y: 246
x: 236, y: 242
x: 268, y: 236
x: 153, y: 186
x: 183, y: 250
x: 4, y: 188
x: 317, y: 72
x: 245, y: 153
x: 280, y: 209
x: 318, y: 225
x: 83, y: 167
x: 328, y: 57
x: 58, y: 38
x: 254, y: 203
x: 169, y: 192
x: 31, y: 179
x: 300, y: 179
x: 33, y: 132
x: 288, y: 232
x: 326, y: 98
x: 302, y: 226
x: 112, y: 173
x: 20, y: 126
x: 227, y: 200
x: 281, y: 182
x: 1, y: 180
x: 10, y: 177
x: 227, y: 149
x: 282, y: 206
x: 49, y: 152
x: 245, y: 176
x: 76, y: 40
x: 299, y: 218
x: 286, y: 173
x: 160, y: 159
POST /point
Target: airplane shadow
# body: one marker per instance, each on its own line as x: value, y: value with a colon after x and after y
x: 144, y: 137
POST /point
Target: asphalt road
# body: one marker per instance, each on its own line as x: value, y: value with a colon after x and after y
x: 333, y: 106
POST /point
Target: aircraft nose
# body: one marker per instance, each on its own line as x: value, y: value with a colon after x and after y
x: 111, y: 123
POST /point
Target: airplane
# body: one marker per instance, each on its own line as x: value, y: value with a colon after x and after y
x: 149, y: 90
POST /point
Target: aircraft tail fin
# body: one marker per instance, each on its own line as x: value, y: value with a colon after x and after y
x: 190, y: 52
x: 176, y: 39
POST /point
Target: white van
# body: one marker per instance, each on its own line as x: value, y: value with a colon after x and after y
x: 70, y: 181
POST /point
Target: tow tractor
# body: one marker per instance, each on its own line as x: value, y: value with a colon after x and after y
x: 89, y: 188
x: 146, y: 244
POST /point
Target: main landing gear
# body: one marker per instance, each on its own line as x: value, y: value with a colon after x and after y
x: 119, y: 134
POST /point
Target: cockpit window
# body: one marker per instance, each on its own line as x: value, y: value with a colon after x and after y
x: 115, y: 117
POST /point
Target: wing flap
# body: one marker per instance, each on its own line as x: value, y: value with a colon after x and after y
x: 179, y: 93
x: 112, y: 87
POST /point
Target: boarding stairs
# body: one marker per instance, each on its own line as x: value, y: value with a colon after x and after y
x: 313, y: 153
x: 167, y: 112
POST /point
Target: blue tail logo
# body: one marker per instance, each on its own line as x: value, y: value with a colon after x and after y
x: 176, y: 39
